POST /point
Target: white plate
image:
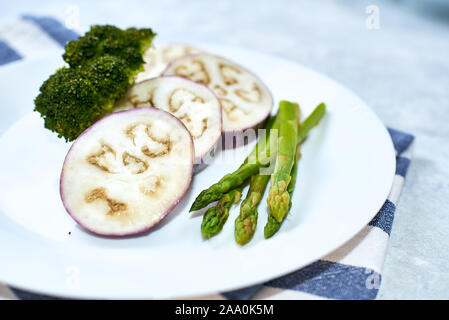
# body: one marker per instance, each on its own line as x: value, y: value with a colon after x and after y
x: 344, y: 177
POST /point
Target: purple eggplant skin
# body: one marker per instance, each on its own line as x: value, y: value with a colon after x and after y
x: 163, y: 214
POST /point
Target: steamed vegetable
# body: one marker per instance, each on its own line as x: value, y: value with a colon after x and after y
x: 246, y: 222
x: 194, y: 104
x: 128, y: 45
x: 215, y: 217
x: 127, y: 171
x: 278, y: 198
x: 261, y: 156
x: 245, y: 99
x: 311, y: 121
x: 272, y: 225
x: 158, y: 58
x: 102, y: 65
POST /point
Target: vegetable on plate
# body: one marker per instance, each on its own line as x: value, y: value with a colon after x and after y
x: 261, y: 156
x: 194, y: 104
x: 273, y: 225
x: 102, y: 66
x: 245, y: 99
x: 285, y: 152
x: 158, y: 58
x: 246, y: 222
x: 215, y: 217
x: 278, y: 196
x: 127, y: 171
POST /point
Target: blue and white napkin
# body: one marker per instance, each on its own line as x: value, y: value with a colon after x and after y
x: 351, y: 272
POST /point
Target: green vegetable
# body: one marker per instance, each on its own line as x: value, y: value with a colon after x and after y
x: 246, y: 222
x: 278, y: 197
x: 110, y: 76
x: 128, y: 45
x: 273, y: 225
x: 260, y: 157
x: 215, y: 217
x: 311, y: 121
x: 103, y: 64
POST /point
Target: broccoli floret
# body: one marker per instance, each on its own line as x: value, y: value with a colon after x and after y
x: 129, y: 44
x: 103, y: 64
x: 110, y: 76
x: 69, y: 103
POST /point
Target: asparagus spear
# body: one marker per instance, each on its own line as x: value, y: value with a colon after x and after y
x: 311, y: 121
x: 246, y: 222
x: 273, y: 225
x: 278, y: 197
x: 259, y: 157
x: 250, y: 167
x: 215, y: 217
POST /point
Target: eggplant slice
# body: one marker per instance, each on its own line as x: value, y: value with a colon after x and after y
x: 127, y: 171
x: 246, y: 101
x: 157, y: 59
x: 194, y: 104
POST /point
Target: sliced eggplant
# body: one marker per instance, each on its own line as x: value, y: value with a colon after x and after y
x: 127, y: 171
x: 246, y: 101
x: 194, y: 104
x: 157, y: 58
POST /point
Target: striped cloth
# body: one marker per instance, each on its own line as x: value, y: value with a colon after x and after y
x: 351, y: 272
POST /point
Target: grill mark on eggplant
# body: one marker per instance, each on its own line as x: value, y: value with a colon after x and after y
x: 199, y: 74
x: 168, y: 56
x: 229, y: 107
x: 226, y: 72
x: 174, y: 106
x: 166, y: 143
x: 220, y: 91
x: 246, y: 95
x: 187, y: 121
x: 115, y: 207
x: 94, y: 159
x: 151, y: 190
x: 130, y: 160
x: 136, y: 102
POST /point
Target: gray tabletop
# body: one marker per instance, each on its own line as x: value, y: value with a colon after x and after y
x: 393, y: 54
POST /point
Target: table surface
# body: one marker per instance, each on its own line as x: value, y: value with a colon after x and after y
x: 401, y: 69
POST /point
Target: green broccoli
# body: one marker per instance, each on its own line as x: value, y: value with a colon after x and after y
x: 129, y: 44
x: 110, y: 76
x: 102, y: 66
